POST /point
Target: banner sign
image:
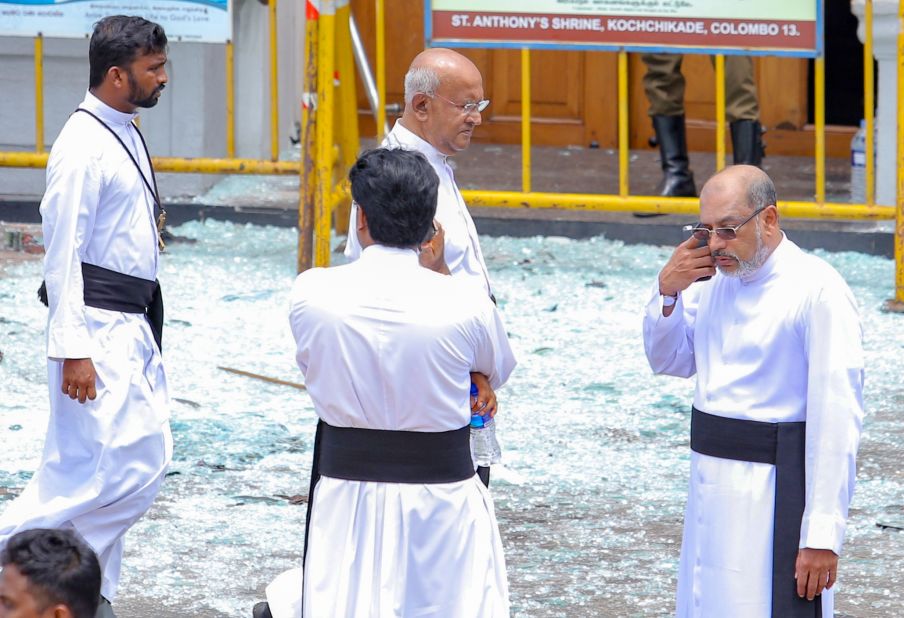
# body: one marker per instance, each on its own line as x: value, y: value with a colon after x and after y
x: 199, y: 21
x: 783, y: 27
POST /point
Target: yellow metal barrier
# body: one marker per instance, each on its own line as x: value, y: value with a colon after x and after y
x: 230, y: 100
x: 869, y: 104
x: 897, y: 303
x: 307, y: 181
x: 381, y: 68
x: 819, y: 113
x: 720, y: 112
x: 623, y: 153
x: 185, y: 165
x: 324, y: 131
x: 39, y: 93
x: 274, y: 84
x: 525, y: 121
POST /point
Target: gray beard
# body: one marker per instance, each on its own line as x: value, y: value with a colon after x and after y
x: 747, y: 267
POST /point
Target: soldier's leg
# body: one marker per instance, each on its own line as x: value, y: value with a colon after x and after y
x: 664, y: 86
x: 742, y: 111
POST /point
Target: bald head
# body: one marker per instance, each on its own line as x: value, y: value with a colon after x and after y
x: 740, y: 200
x: 443, y: 90
x: 743, y: 186
x: 438, y: 66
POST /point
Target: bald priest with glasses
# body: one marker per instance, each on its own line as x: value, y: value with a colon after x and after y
x: 774, y: 338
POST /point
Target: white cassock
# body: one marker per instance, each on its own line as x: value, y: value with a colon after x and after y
x: 462, y: 246
x: 104, y: 460
x: 782, y: 345
x: 387, y: 344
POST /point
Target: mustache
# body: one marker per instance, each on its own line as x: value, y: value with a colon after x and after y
x: 721, y: 253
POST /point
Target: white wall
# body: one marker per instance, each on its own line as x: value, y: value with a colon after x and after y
x: 190, y: 118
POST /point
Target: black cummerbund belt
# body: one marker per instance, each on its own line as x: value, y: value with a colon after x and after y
x: 782, y: 445
x: 114, y: 291
x: 395, y: 456
x: 388, y: 457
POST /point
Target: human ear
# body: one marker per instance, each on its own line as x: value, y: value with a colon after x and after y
x: 61, y: 611
x: 116, y: 76
x: 419, y: 104
x: 361, y: 218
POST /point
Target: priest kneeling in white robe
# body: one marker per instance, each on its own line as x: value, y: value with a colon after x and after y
x: 775, y: 341
x: 399, y: 524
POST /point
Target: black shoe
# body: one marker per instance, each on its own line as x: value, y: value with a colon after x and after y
x: 261, y: 610
x: 677, y: 179
x: 747, y: 142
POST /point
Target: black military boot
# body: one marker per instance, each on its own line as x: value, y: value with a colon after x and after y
x: 747, y: 142
x: 677, y: 180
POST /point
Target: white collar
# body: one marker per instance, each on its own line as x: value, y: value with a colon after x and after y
x: 105, y: 112
x: 409, y: 140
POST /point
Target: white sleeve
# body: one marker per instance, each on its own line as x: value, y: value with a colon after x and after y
x: 494, y: 357
x: 669, y: 341
x: 301, y: 333
x: 834, y: 342
x: 68, y: 211
x: 352, y: 246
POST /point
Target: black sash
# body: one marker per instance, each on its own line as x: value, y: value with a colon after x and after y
x: 782, y: 445
x: 388, y: 457
x: 115, y: 291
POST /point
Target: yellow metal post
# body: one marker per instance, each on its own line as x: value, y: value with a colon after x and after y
x: 307, y: 182
x: 274, y: 85
x: 819, y: 107
x: 897, y: 304
x: 720, y: 112
x: 230, y: 100
x: 623, y: 152
x: 346, y: 121
x: 324, y: 157
x: 525, y: 120
x: 869, y: 105
x: 381, y: 67
x: 39, y: 93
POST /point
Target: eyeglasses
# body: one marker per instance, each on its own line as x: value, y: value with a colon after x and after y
x: 701, y: 232
x: 466, y: 108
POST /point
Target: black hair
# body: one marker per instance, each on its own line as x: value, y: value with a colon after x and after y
x: 119, y: 39
x: 397, y: 190
x: 59, y: 568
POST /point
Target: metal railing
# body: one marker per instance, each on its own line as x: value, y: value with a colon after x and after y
x: 206, y: 165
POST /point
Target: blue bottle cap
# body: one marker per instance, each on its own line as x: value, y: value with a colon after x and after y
x: 476, y: 419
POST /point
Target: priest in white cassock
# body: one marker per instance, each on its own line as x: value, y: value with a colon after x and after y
x: 775, y: 341
x: 399, y: 524
x: 108, y: 441
x: 443, y: 102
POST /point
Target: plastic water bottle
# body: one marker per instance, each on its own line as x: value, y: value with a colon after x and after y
x: 484, y: 446
x: 858, y: 165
